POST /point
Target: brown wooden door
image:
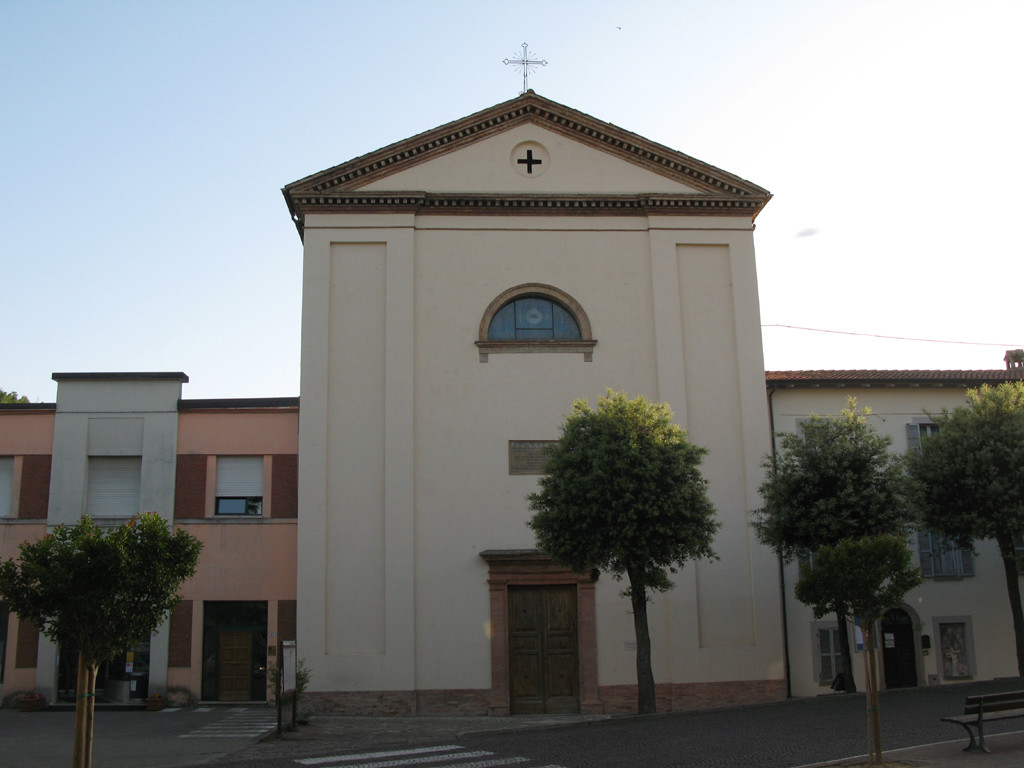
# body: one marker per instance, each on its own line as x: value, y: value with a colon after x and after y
x: 543, y: 651
x: 234, y: 666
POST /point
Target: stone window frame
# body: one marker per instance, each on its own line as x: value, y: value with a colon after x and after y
x: 530, y: 567
x: 969, y: 651
x: 816, y: 652
x: 585, y: 344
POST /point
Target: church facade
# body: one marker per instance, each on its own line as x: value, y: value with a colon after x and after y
x: 460, y: 289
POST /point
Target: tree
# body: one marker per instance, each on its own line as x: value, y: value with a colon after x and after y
x: 98, y: 591
x: 968, y: 480
x: 12, y: 397
x: 836, y: 480
x: 622, y: 492
x: 861, y: 579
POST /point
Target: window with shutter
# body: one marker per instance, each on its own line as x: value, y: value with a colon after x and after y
x: 239, y: 485
x: 828, y: 657
x: 941, y: 558
x: 917, y: 430
x: 6, y: 486
x: 114, y: 486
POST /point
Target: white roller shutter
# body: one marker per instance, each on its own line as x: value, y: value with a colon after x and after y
x: 240, y: 476
x: 114, y: 487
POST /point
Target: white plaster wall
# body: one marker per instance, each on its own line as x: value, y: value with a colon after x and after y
x: 467, y: 411
x: 404, y: 434
x: 129, y: 417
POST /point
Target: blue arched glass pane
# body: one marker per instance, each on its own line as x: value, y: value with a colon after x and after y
x: 565, y: 325
x: 503, y: 324
x: 533, y: 318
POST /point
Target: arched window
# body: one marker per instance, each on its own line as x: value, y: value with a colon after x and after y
x: 534, y: 317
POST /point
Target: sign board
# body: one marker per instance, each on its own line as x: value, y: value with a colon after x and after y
x: 527, y: 457
x: 287, y: 662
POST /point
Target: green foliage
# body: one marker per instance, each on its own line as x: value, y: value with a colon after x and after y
x: 623, y: 493
x: 858, y: 578
x: 100, y: 590
x: 303, y: 674
x: 12, y: 397
x: 968, y: 480
x: 836, y: 480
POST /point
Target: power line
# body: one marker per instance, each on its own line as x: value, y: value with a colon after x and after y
x: 897, y: 338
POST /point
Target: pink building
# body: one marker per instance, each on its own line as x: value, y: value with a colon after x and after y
x: 115, y: 444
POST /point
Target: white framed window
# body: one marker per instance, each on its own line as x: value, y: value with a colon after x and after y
x: 7, y: 505
x: 239, y: 486
x: 114, y: 486
x: 942, y: 559
x: 828, y: 657
x: 917, y: 430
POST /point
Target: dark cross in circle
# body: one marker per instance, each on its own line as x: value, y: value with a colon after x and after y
x: 529, y: 161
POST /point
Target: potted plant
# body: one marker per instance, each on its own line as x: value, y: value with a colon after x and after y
x: 155, y: 703
x: 32, y: 702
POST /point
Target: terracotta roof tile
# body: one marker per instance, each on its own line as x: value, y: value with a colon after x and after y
x: 892, y: 377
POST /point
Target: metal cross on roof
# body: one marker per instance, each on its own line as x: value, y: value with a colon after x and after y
x: 525, y: 65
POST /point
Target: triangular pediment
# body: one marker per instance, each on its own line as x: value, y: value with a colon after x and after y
x: 528, y: 155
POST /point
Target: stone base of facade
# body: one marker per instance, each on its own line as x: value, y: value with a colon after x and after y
x: 454, y: 702
x: 682, y: 697
x: 614, y: 699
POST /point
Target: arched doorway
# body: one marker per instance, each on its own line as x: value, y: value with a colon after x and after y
x: 899, y: 653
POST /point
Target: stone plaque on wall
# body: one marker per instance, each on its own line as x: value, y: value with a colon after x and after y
x: 526, y: 457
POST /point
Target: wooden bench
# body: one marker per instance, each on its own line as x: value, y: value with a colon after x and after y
x: 979, y: 710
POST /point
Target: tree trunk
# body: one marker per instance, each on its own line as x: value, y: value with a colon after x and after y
x: 844, y: 648
x: 1013, y: 590
x: 78, y: 750
x: 85, y: 700
x: 90, y: 710
x: 871, y: 684
x: 646, y: 703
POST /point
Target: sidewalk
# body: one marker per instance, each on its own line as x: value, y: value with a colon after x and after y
x: 1006, y: 751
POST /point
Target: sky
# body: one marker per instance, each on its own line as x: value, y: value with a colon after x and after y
x: 144, y: 144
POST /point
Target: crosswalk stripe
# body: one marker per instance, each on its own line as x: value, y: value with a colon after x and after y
x: 390, y: 753
x: 239, y: 723
x: 420, y: 760
x: 498, y: 761
x: 417, y: 756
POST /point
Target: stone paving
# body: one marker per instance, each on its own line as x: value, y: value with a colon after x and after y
x: 805, y: 732
x: 828, y: 730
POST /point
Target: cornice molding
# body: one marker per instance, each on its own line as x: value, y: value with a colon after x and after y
x: 424, y: 203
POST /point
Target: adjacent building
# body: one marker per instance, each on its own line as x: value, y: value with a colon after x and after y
x: 116, y: 444
x: 957, y: 625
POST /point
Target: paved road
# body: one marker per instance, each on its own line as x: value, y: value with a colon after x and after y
x: 793, y: 733
x: 136, y: 739
x: 802, y: 732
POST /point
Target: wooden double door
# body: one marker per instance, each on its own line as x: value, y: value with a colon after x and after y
x: 543, y: 650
